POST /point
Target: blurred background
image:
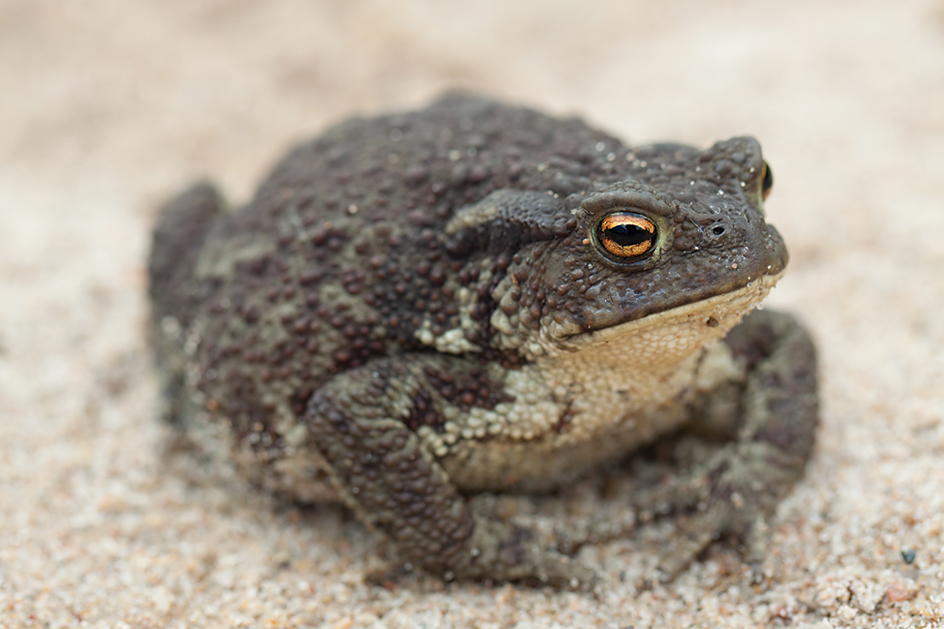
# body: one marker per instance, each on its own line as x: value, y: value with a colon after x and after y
x: 109, y: 106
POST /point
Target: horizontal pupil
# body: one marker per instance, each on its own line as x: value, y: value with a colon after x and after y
x: 627, y: 235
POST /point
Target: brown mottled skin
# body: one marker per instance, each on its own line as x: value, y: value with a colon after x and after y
x: 420, y: 307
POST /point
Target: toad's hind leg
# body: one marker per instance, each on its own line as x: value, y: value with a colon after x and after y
x: 363, y: 424
x: 182, y: 227
x: 738, y: 488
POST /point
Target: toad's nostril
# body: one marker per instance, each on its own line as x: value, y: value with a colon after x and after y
x: 718, y: 230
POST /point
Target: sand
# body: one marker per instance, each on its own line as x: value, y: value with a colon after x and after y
x: 107, y: 106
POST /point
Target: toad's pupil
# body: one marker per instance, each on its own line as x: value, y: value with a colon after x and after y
x: 627, y: 235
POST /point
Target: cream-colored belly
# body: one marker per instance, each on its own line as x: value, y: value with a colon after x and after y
x: 552, y: 460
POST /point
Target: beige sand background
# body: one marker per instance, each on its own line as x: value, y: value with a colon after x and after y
x: 106, y: 106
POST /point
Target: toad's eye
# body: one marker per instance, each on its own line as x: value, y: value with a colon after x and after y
x: 626, y: 235
x: 768, y: 181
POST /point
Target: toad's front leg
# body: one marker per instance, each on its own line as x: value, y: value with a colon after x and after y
x: 739, y: 487
x: 363, y: 424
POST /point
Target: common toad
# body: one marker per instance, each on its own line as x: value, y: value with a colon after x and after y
x: 475, y: 297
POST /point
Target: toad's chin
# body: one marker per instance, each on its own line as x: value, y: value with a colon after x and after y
x: 670, y: 335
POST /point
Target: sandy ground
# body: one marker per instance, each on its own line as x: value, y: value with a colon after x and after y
x: 106, y: 106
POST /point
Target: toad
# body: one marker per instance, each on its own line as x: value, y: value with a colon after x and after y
x: 418, y: 308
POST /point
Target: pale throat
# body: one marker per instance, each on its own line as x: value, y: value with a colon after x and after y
x: 647, y: 362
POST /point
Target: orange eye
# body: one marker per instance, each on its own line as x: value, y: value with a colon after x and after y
x: 768, y: 181
x: 626, y: 235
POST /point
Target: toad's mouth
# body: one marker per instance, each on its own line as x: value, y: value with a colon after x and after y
x: 679, y: 329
